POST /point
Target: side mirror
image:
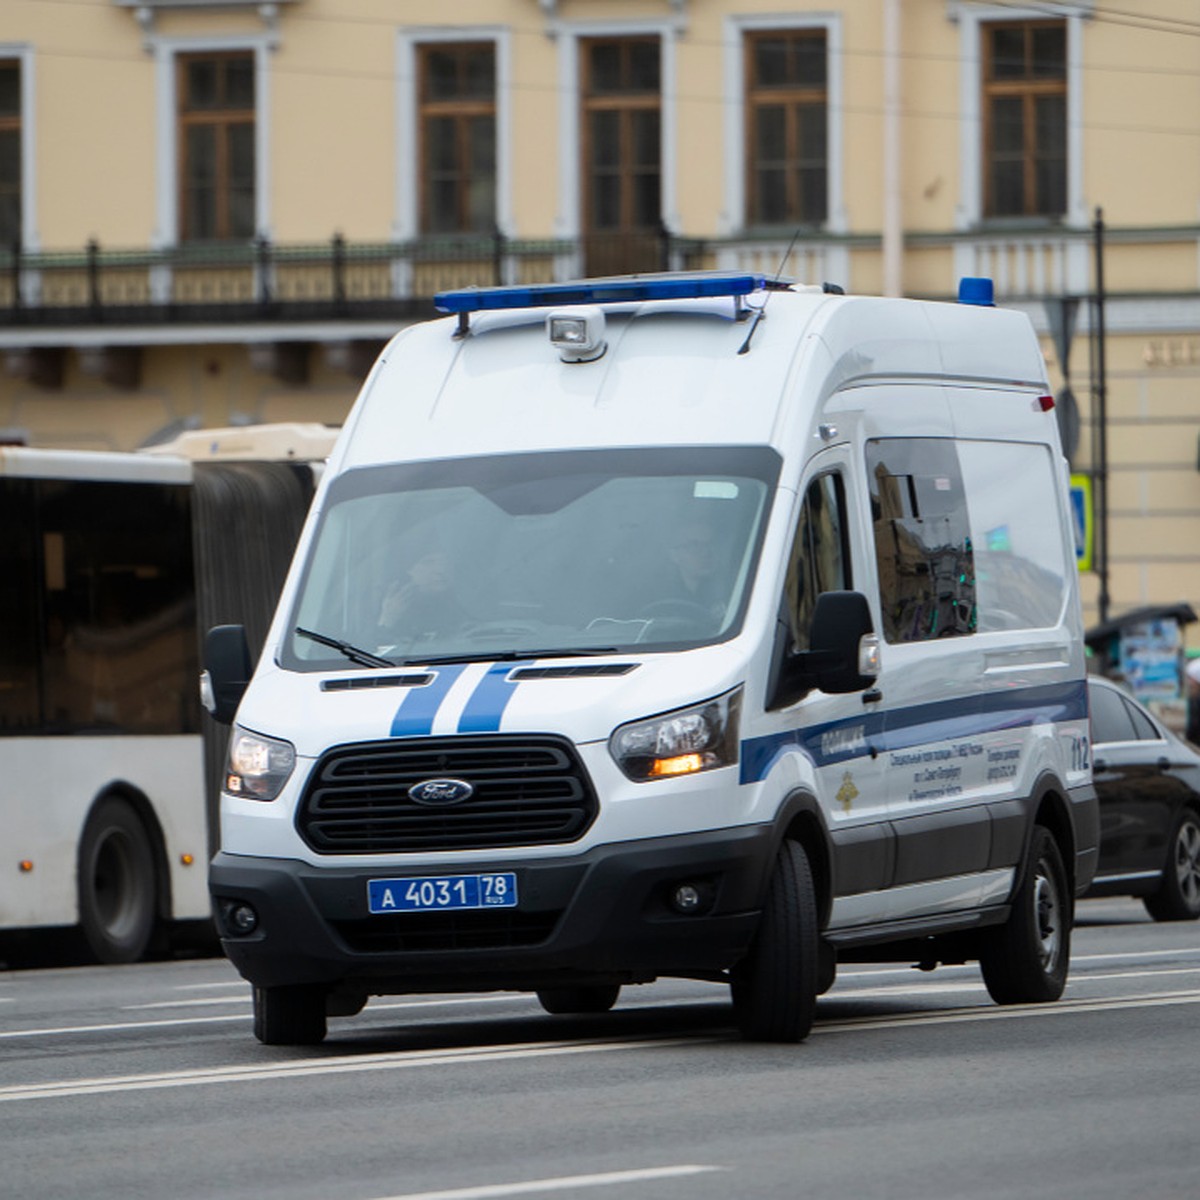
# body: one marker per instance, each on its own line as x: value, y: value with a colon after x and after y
x: 843, y: 654
x: 227, y: 671
x: 845, y: 650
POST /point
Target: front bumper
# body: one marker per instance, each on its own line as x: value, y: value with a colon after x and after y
x: 603, y: 915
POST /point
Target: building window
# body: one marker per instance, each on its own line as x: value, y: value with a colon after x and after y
x: 787, y: 167
x: 1025, y: 118
x: 10, y: 153
x: 622, y: 152
x: 216, y: 140
x: 457, y: 118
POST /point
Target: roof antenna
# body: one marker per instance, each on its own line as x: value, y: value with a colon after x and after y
x: 773, y: 286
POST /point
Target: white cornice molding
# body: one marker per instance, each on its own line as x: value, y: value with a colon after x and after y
x: 145, y: 11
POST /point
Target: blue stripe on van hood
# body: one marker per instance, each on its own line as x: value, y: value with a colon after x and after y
x: 486, y: 706
x: 414, y: 717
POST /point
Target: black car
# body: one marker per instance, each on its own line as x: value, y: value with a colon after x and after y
x: 1148, y: 783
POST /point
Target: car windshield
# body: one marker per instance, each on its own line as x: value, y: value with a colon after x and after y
x: 566, y: 553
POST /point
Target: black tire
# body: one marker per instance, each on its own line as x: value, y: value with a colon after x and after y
x: 118, y: 883
x: 289, y: 1016
x: 1025, y: 960
x: 775, y: 986
x: 598, y: 998
x: 1178, y: 899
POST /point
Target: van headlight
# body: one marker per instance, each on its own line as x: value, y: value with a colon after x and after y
x: 257, y: 767
x: 700, y: 738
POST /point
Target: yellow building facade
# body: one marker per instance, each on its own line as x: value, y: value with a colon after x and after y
x: 215, y: 212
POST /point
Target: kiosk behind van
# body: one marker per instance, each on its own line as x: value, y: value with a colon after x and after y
x: 684, y: 625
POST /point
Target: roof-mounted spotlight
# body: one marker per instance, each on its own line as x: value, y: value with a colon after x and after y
x: 577, y: 333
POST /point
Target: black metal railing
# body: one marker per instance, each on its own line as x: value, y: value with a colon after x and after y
x: 264, y: 280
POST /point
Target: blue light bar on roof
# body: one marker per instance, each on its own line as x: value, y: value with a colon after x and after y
x: 600, y: 291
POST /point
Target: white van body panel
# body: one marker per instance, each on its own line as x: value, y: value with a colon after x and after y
x: 918, y: 793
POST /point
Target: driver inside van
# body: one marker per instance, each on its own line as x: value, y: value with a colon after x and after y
x: 696, y: 575
x: 424, y: 602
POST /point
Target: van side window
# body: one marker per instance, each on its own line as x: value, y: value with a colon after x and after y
x: 1021, y: 559
x: 922, y: 539
x: 820, y: 559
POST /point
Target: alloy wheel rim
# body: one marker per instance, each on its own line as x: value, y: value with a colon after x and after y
x: 1048, y: 915
x: 1187, y: 863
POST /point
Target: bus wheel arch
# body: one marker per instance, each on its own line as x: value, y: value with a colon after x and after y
x: 120, y: 877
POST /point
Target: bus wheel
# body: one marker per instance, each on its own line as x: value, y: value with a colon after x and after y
x: 117, y: 883
x: 289, y: 1016
x: 598, y: 998
x: 775, y: 986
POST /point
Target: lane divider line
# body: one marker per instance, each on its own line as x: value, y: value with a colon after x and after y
x: 532, y: 1186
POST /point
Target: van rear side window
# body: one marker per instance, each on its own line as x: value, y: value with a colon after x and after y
x: 962, y: 539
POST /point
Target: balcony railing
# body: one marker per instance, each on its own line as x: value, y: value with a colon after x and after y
x: 347, y: 281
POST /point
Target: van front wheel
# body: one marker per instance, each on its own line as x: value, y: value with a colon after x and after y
x: 289, y: 1016
x: 1025, y: 960
x: 775, y: 986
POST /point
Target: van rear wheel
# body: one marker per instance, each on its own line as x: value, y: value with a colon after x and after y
x: 1025, y: 960
x: 289, y: 1016
x: 775, y: 986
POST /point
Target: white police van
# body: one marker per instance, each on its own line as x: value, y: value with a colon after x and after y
x: 683, y: 625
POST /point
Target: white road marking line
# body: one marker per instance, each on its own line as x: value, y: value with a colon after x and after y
x: 1058, y: 1008
x: 929, y: 988
x: 396, y: 1061
x: 117, y: 1026
x: 305, y: 1067
x: 1156, y: 973
x: 531, y: 1186
x: 508, y: 998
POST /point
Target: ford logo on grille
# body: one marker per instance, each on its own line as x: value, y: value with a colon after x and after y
x: 441, y: 791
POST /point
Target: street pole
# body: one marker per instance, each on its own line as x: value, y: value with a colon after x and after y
x: 893, y: 212
x: 1100, y: 393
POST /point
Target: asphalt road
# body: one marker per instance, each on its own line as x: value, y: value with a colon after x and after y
x: 146, y: 1081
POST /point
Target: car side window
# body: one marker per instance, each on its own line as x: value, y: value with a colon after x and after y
x: 1111, y: 719
x: 1143, y: 728
x: 820, y: 560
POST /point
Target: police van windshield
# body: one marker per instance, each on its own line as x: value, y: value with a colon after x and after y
x: 565, y: 553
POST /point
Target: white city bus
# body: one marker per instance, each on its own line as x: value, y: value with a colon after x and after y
x: 113, y: 565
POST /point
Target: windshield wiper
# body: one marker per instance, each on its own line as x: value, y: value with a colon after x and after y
x: 354, y: 653
x: 511, y: 655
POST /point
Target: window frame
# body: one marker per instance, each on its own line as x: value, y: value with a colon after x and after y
x: 409, y: 42
x: 791, y: 97
x: 166, y: 51
x: 624, y: 103
x: 733, y: 219
x: 568, y: 34
x: 1028, y: 89
x: 223, y: 120
x: 970, y: 16
x: 23, y: 57
x: 461, y: 109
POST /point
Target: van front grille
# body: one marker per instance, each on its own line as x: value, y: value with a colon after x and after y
x: 526, y: 791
